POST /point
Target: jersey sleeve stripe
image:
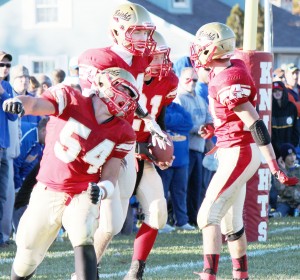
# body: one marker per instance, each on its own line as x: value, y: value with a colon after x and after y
x: 124, y: 147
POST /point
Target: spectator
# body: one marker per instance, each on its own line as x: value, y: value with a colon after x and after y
x: 278, y: 75
x: 284, y: 118
x: 77, y: 87
x: 19, y: 79
x: 288, y: 197
x: 23, y: 196
x: 12, y: 151
x: 181, y: 63
x: 58, y: 76
x: 73, y: 77
x: 45, y: 83
x: 175, y: 179
x: 33, y: 85
x: 202, y: 83
x: 5, y: 93
x: 198, y: 109
x: 32, y: 146
x: 291, y: 80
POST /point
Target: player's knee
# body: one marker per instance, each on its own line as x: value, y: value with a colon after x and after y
x: 26, y: 262
x: 203, y: 218
x: 158, y: 214
x: 235, y: 236
x: 112, y: 225
x: 116, y: 228
x: 82, y: 236
x: 14, y: 276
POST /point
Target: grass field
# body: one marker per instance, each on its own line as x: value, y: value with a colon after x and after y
x: 177, y: 255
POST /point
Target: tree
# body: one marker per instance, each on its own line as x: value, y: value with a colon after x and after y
x: 296, y: 7
x: 236, y: 22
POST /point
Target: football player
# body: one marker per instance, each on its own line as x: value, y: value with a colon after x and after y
x: 79, y: 167
x: 132, y: 31
x: 159, y: 90
x: 133, y: 44
x: 241, y: 135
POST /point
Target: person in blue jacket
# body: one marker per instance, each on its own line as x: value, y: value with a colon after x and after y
x: 178, y: 124
x: 32, y: 146
x: 5, y: 141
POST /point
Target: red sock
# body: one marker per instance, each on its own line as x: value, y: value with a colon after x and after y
x: 211, y: 262
x: 240, y: 267
x: 143, y: 243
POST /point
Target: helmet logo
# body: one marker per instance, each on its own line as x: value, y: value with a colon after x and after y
x: 114, y: 73
x: 124, y: 16
x: 208, y: 36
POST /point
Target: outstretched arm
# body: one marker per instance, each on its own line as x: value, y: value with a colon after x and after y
x: 248, y: 114
x: 28, y: 105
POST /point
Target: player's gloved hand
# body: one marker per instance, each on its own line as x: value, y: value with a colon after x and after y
x: 95, y: 192
x: 206, y: 131
x: 280, y: 175
x: 14, y: 106
x: 158, y: 136
x: 142, y: 151
x: 164, y: 165
x: 284, y: 179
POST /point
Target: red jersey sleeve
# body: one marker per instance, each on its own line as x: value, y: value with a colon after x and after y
x: 233, y: 86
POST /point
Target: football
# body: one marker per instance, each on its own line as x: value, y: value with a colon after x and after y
x: 161, y: 154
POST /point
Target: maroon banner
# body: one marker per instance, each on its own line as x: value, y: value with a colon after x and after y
x: 260, y: 66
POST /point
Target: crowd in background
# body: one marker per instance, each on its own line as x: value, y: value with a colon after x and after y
x: 186, y: 180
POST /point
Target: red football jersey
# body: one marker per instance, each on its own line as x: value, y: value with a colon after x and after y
x: 230, y: 88
x: 102, y: 58
x: 155, y: 95
x: 76, y: 146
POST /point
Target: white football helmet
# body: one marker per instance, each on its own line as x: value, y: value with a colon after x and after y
x: 160, y: 69
x: 118, y: 102
x: 212, y: 41
x: 128, y: 18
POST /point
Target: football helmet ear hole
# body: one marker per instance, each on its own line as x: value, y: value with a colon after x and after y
x: 131, y: 93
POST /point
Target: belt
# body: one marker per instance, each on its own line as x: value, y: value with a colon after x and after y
x: 67, y: 199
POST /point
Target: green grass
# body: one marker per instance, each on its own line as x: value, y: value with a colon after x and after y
x: 177, y: 255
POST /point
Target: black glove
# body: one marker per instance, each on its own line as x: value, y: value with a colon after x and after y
x: 95, y: 193
x: 143, y: 150
x: 13, y: 106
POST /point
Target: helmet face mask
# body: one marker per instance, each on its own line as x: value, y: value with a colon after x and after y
x: 161, y: 64
x: 126, y: 20
x: 213, y: 41
x: 116, y: 88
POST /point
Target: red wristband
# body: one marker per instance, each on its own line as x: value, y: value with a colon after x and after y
x: 273, y: 166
